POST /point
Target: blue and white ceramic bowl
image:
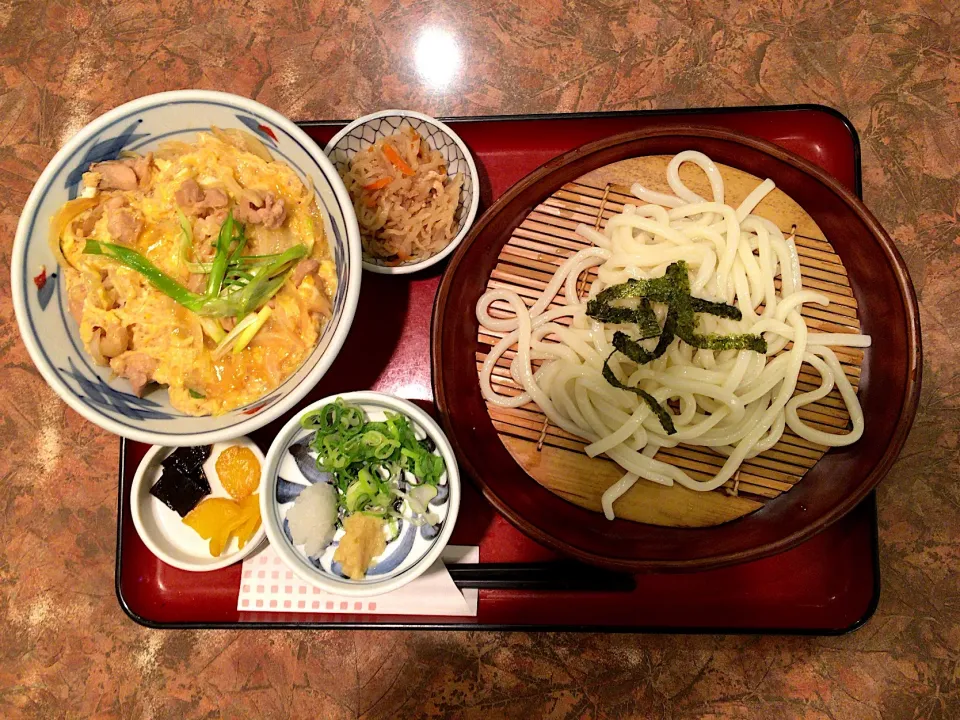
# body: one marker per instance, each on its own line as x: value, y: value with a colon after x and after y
x: 51, y: 334
x: 367, y: 130
x: 291, y: 467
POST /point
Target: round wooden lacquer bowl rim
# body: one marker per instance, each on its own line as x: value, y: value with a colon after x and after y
x: 890, y: 378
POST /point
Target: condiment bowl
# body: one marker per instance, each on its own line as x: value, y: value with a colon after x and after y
x: 163, y: 531
x: 291, y: 467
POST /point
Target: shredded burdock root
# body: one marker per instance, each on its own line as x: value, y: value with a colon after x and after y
x: 405, y: 201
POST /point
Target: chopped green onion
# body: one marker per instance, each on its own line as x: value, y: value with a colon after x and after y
x: 370, y: 459
x: 186, y: 239
x: 159, y: 279
x: 246, y: 291
x: 233, y: 335
x: 221, y: 258
x: 242, y: 274
x: 241, y: 238
x: 213, y: 329
x: 360, y: 492
x: 264, y: 285
x: 247, y: 335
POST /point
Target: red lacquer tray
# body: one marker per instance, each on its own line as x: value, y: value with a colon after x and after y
x: 828, y: 585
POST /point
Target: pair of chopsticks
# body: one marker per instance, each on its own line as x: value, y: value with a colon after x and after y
x: 562, y: 575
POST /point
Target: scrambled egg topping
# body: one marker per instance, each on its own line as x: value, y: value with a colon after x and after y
x: 145, y: 335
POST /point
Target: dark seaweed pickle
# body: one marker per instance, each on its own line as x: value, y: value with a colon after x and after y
x: 188, y: 462
x: 178, y: 492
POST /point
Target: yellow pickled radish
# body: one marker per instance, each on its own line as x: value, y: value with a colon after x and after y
x: 215, y: 519
x: 239, y: 471
x: 251, y: 511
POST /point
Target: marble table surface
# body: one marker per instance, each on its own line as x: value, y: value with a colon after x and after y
x: 66, y: 647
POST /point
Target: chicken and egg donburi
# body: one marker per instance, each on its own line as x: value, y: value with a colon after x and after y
x: 202, y: 266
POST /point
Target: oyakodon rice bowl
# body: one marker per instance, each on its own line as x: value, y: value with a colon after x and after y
x: 213, y: 279
x: 210, y: 254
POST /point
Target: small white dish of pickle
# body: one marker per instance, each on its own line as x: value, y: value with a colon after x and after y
x: 198, y: 508
x: 360, y: 493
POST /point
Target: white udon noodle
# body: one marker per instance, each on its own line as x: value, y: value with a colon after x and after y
x: 736, y: 402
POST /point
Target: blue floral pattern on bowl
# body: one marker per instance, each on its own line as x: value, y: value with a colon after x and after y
x: 297, y: 470
x: 52, y: 335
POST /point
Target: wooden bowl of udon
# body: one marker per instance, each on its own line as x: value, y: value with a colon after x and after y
x: 528, y: 489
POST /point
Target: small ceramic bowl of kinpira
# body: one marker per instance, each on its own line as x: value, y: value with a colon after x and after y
x: 414, y: 188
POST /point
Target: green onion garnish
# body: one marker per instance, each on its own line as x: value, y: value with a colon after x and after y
x: 159, y: 279
x: 237, y: 285
x: 368, y: 459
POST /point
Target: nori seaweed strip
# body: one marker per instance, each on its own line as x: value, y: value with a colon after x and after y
x: 633, y: 350
x: 730, y: 312
x: 663, y: 415
x: 683, y: 304
x: 673, y: 289
x: 656, y: 289
x: 663, y: 290
x: 727, y: 342
x: 642, y: 316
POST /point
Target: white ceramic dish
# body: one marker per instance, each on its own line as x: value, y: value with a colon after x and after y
x: 51, y: 334
x: 365, y: 131
x: 162, y: 529
x: 404, y: 559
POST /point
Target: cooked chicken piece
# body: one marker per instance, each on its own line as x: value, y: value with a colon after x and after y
x: 206, y: 229
x: 115, y: 175
x: 126, y: 174
x: 188, y: 194
x: 141, y: 166
x: 84, y: 228
x: 256, y: 209
x: 136, y: 367
x: 115, y: 340
x: 122, y: 224
x: 196, y: 282
x: 304, y: 267
x: 76, y: 296
x: 196, y: 201
x: 216, y: 198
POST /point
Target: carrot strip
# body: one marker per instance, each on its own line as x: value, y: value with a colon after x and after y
x: 377, y: 184
x: 397, y: 161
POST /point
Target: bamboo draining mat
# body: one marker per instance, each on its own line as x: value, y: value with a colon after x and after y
x: 556, y: 460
